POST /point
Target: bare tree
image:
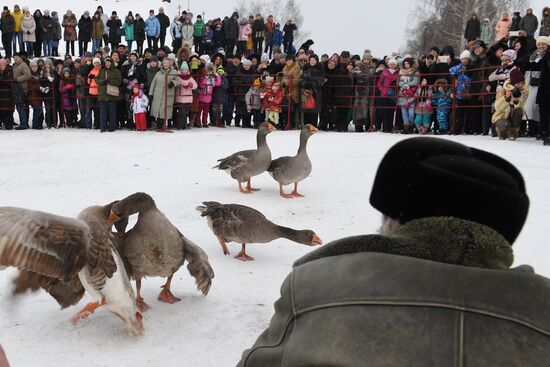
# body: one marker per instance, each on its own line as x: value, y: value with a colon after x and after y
x: 281, y: 11
x: 436, y: 22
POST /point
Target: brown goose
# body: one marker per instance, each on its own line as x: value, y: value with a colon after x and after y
x: 67, y: 257
x: 154, y: 247
x: 291, y: 170
x: 241, y: 224
x: 244, y: 165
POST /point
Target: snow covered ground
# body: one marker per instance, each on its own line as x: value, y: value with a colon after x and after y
x: 63, y: 171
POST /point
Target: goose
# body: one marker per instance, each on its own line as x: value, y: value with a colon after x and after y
x: 241, y: 224
x: 244, y: 165
x: 291, y: 170
x: 66, y: 257
x: 154, y: 247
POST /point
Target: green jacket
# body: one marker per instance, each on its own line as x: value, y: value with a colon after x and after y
x: 128, y: 31
x: 113, y: 77
x: 199, y: 28
x: 435, y: 292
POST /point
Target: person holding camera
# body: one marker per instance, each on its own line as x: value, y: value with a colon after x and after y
x: 509, y: 106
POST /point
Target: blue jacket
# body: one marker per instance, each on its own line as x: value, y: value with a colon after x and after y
x: 276, y: 37
x: 464, y: 81
x: 152, y: 27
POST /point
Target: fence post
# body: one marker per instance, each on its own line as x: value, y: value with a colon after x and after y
x: 289, y: 114
x: 454, y: 99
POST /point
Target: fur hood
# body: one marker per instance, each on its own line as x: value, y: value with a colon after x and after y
x: 440, y: 239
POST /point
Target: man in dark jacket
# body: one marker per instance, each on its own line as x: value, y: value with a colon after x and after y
x: 288, y: 36
x: 164, y: 24
x: 529, y: 23
x: 473, y: 29
x: 434, y: 289
x: 231, y: 30
x: 441, y: 65
x: 7, y: 26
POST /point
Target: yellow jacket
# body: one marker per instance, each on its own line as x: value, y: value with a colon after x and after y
x: 504, y: 107
x: 18, y: 16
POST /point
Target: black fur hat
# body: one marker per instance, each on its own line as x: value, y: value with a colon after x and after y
x: 430, y: 177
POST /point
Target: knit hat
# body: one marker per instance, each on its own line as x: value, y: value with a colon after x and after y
x: 66, y: 70
x: 313, y: 56
x: 512, y: 54
x: 96, y: 60
x: 265, y: 58
x: 466, y: 183
x: 246, y: 62
x: 516, y: 76
x: 545, y: 40
x: 367, y: 55
x: 465, y: 55
x: 184, y: 66
x: 205, y: 59
x: 87, y: 54
x: 48, y: 61
x: 392, y: 62
x: 33, y: 63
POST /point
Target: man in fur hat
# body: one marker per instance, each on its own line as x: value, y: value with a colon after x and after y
x: 435, y: 288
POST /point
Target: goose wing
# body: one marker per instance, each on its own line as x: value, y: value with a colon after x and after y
x: 235, y: 160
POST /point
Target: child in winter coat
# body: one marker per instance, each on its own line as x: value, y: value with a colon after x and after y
x: 208, y: 80
x: 184, y: 96
x: 67, y: 89
x: 272, y: 99
x: 219, y: 97
x: 509, y: 106
x: 441, y: 99
x: 254, y: 103
x: 139, y: 107
x: 276, y: 38
x: 424, y: 109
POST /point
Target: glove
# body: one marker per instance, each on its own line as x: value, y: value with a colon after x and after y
x: 91, y: 76
x: 50, y: 78
x: 171, y: 85
x: 516, y: 93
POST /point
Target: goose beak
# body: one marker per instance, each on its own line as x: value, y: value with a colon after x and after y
x: 316, y: 241
x: 113, y: 217
x: 313, y: 129
x: 271, y: 128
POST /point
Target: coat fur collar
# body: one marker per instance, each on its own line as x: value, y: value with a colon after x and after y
x: 440, y: 239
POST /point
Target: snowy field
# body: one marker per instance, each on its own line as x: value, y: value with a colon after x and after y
x: 64, y: 171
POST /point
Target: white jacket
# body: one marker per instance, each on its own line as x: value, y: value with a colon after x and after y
x: 140, y: 103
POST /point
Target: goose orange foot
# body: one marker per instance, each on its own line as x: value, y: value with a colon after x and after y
x: 86, y: 311
x: 249, y: 188
x: 243, y: 256
x: 167, y: 297
x: 282, y: 193
x: 141, y: 305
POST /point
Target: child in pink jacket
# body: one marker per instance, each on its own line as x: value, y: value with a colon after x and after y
x: 208, y: 80
x: 184, y: 96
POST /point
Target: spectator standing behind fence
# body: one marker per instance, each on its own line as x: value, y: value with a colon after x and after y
x: 291, y: 83
x: 254, y: 102
x: 162, y: 92
x: 48, y: 78
x: 139, y: 103
x: 464, y: 98
x: 7, y: 26
x: 207, y: 82
x: 69, y: 34
x: 56, y: 33
x: 17, y: 33
x: 198, y: 34
x: 184, y: 96
x: 529, y: 23
x: 269, y: 27
x: 6, y: 96
x: 532, y: 79
x: 93, y: 90
x: 503, y: 27
x: 408, y: 83
x: 139, y: 33
x: 28, y: 27
x: 258, y: 34
x: 544, y: 30
x: 115, y: 25
x: 244, y: 31
x: 187, y: 32
x: 109, y: 80
x: 164, y: 23
x: 84, y: 33
x: 509, y: 106
x: 486, y: 32
x: 21, y: 75
x: 288, y: 37
x: 313, y: 78
x: 424, y: 109
x: 37, y: 47
x: 473, y: 29
x: 34, y: 95
x: 387, y: 85
x: 231, y: 29
x: 441, y: 99
x: 97, y: 31
x: 175, y: 32
x: 67, y: 91
x: 152, y: 29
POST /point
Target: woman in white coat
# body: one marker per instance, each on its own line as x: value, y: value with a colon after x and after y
x: 28, y: 27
